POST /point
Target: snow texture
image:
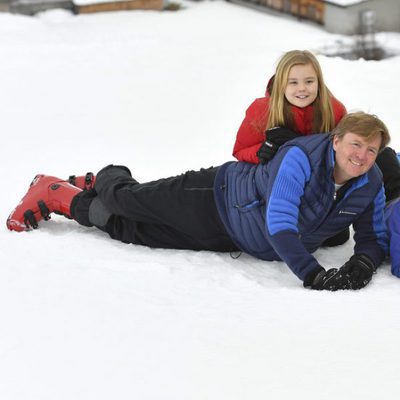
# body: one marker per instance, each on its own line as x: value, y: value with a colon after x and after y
x: 90, y: 2
x: 84, y: 317
x: 346, y: 3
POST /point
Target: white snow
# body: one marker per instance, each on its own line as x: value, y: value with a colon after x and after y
x: 89, y: 2
x: 345, y: 3
x: 84, y: 317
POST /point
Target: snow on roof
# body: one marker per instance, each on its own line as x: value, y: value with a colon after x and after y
x: 345, y: 3
x: 39, y: 1
x: 88, y: 2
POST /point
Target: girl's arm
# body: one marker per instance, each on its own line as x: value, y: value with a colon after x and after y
x: 251, y: 133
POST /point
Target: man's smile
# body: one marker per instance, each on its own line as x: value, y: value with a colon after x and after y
x: 355, y: 163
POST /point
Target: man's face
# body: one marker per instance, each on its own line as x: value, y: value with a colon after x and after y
x: 302, y: 86
x: 354, y: 156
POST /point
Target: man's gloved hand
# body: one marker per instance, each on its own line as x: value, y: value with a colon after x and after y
x: 360, y: 269
x: 333, y: 279
x: 275, y: 137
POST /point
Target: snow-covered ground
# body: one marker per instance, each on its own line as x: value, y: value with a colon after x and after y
x: 83, y: 317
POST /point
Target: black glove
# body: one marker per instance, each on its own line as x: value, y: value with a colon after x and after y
x: 275, y: 137
x: 360, y: 269
x: 333, y: 279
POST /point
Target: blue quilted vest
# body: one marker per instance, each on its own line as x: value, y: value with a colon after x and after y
x: 243, y: 192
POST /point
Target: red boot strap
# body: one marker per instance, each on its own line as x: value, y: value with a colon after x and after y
x: 89, y: 177
x: 30, y: 220
x: 72, y: 179
x: 44, y: 210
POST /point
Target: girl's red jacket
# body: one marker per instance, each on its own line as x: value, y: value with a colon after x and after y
x: 251, y: 133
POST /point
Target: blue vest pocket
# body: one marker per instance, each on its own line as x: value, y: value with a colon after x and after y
x: 250, y: 206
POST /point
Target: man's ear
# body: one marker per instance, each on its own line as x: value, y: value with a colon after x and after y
x: 335, y: 141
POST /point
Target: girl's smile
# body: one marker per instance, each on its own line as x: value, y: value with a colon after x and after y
x: 302, y: 86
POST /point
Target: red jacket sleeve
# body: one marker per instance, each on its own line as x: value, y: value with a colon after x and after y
x: 251, y: 132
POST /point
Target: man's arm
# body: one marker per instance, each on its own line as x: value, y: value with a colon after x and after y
x: 282, y: 213
x: 282, y: 216
x: 371, y: 244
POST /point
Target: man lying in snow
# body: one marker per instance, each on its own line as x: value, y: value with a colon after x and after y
x: 314, y: 188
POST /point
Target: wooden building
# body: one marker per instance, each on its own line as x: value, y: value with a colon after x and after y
x: 337, y: 16
x: 31, y: 7
x: 309, y: 9
x: 91, y: 6
x: 4, y: 5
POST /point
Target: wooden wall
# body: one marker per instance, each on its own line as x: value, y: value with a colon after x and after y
x: 308, y: 9
x: 120, y: 5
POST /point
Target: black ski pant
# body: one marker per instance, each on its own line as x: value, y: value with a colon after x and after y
x: 175, y: 213
x: 389, y: 164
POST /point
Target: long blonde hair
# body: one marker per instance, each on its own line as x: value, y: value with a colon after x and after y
x: 280, y: 109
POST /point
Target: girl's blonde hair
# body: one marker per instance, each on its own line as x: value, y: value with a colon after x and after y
x: 279, y: 110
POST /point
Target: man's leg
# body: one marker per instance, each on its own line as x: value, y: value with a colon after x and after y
x: 177, y: 212
x: 389, y: 165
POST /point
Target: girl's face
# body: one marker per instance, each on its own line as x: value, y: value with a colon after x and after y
x: 302, y: 86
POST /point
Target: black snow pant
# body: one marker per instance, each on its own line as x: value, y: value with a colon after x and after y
x: 389, y: 165
x: 175, y: 213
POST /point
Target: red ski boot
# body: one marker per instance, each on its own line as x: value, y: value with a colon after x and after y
x: 85, y: 182
x: 45, y: 195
